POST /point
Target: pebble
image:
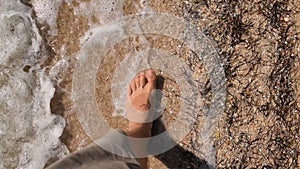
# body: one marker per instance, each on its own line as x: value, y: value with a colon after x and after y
x: 286, y: 19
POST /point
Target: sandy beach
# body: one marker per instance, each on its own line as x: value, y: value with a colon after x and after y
x: 257, y: 42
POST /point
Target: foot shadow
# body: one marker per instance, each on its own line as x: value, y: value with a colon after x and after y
x: 177, y: 157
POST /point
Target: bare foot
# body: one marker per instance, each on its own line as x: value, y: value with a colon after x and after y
x: 139, y: 94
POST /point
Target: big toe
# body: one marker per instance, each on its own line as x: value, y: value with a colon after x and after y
x: 151, y: 78
x: 142, y: 79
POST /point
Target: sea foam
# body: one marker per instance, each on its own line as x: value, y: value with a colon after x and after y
x: 29, y: 132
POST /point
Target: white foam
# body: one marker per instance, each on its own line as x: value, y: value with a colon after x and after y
x: 45, y: 144
x: 15, y: 35
x: 20, y: 39
x: 12, y: 5
x: 47, y: 11
x: 29, y: 133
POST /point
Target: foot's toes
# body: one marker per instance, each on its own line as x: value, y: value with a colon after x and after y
x: 133, y: 86
x: 151, y: 78
x: 145, y: 79
x: 142, y: 79
x: 137, y: 81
